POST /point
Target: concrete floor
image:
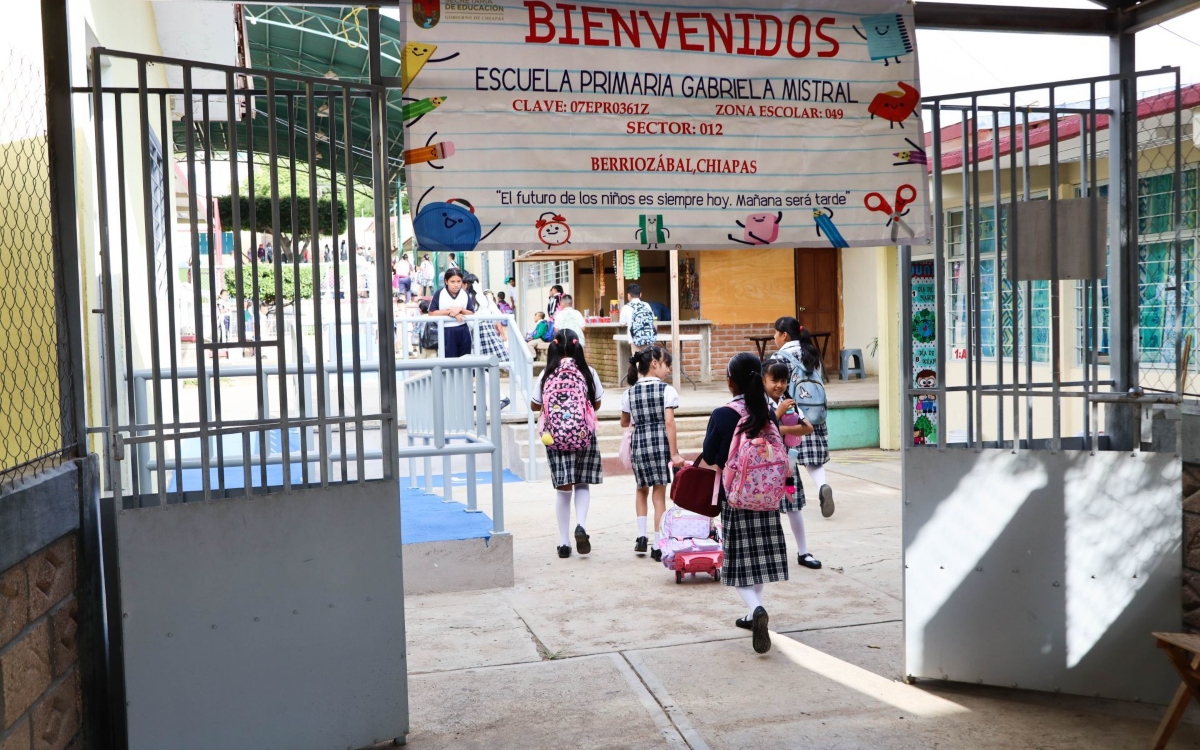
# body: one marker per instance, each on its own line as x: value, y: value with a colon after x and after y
x: 606, y: 651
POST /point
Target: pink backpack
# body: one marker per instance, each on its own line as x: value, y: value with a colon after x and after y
x: 756, y: 469
x: 566, y: 413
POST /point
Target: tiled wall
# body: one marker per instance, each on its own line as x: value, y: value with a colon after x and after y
x: 40, y: 701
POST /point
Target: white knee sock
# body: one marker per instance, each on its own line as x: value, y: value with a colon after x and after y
x: 562, y: 507
x: 818, y: 475
x: 583, y: 499
x: 641, y: 525
x: 752, y: 596
x: 796, y: 519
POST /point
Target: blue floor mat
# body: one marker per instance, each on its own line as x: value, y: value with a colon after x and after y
x: 427, y: 518
x: 193, y: 479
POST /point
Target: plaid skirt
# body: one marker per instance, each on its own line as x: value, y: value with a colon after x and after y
x: 490, y: 343
x: 575, y: 467
x: 755, y: 548
x: 814, y: 448
x: 651, y: 455
x: 793, y: 502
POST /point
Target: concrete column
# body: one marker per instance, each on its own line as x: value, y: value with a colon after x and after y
x: 887, y: 265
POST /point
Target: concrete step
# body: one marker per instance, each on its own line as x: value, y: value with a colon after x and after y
x: 611, y: 444
x: 516, y: 446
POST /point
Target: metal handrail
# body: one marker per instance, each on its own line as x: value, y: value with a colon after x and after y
x: 467, y: 425
x: 521, y: 382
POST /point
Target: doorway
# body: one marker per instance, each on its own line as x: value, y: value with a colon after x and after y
x: 817, y: 285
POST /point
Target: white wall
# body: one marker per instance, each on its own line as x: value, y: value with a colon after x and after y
x: 860, y: 302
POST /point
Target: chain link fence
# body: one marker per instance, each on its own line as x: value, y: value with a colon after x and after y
x: 34, y: 357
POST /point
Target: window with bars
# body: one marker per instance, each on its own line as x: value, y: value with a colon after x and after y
x: 549, y: 273
x: 1156, y: 277
x: 1039, y: 312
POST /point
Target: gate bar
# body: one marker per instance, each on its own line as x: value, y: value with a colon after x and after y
x: 318, y: 329
x: 148, y: 212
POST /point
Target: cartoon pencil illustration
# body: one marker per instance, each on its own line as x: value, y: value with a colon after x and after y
x: 824, y: 221
x: 440, y: 150
x: 423, y: 107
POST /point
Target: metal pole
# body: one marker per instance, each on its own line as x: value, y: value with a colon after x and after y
x: 497, y: 453
x: 60, y: 152
x: 1123, y: 432
x: 939, y: 249
x: 1055, y: 291
x: 676, y: 344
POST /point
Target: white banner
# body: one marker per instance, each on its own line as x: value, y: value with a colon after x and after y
x: 542, y: 125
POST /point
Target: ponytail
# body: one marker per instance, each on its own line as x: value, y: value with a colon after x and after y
x: 810, y: 355
x: 639, y: 363
x: 745, y: 370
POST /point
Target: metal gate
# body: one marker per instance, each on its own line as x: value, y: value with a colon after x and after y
x: 1049, y: 328
x: 252, y: 536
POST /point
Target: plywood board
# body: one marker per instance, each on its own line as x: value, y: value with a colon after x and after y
x: 746, y: 286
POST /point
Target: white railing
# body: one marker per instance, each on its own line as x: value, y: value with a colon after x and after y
x: 519, y: 365
x: 447, y: 403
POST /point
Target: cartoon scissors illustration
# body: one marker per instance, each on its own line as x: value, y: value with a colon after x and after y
x: 905, y: 194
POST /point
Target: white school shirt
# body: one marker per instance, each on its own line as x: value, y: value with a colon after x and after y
x: 571, y: 318
x: 670, y: 395
x: 537, y: 386
x: 443, y: 300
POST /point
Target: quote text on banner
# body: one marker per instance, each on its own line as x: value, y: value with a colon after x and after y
x: 543, y: 125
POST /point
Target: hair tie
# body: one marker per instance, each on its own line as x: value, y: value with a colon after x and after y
x: 574, y: 341
x: 634, y: 359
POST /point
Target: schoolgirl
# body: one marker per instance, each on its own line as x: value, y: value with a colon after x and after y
x: 753, y: 541
x: 649, y: 406
x: 776, y: 376
x: 571, y: 382
x: 796, y: 347
x: 489, y: 340
x: 454, y: 302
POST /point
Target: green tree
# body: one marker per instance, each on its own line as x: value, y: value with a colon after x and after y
x: 263, y: 220
x: 266, y: 283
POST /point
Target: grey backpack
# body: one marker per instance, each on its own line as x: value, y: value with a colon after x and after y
x: 642, y: 331
x: 806, y: 389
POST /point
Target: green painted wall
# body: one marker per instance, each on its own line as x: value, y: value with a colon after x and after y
x: 853, y: 427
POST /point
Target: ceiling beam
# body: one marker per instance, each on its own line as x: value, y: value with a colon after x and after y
x: 1153, y: 12
x: 963, y: 17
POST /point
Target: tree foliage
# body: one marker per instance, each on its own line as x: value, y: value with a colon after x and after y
x: 266, y: 283
x: 263, y: 218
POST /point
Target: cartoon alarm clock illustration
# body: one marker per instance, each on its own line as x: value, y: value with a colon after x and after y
x: 552, y: 229
x: 448, y: 226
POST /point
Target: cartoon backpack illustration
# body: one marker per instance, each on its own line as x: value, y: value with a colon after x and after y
x: 886, y: 36
x: 553, y: 230
x: 895, y: 106
x: 759, y: 229
x: 448, y: 226
x: 651, y: 230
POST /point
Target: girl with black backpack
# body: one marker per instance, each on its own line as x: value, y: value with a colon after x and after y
x: 796, y: 347
x: 568, y: 393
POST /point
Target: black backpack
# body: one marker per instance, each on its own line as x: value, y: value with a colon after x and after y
x: 429, y: 336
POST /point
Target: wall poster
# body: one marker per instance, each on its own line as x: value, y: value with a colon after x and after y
x: 924, y: 331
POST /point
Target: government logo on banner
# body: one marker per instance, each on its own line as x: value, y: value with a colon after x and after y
x: 534, y: 124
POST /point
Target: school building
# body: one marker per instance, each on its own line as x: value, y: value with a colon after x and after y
x: 850, y: 296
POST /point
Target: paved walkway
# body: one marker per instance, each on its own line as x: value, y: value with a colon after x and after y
x: 606, y: 651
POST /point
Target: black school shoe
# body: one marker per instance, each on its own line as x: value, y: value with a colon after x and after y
x: 564, y: 551
x: 808, y: 561
x: 640, y: 545
x: 656, y: 554
x: 826, y: 495
x: 582, y: 541
x: 761, y: 639
x: 745, y: 623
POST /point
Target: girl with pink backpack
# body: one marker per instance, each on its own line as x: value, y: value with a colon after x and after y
x: 567, y: 393
x: 744, y: 442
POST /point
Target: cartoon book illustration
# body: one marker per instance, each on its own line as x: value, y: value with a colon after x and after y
x: 886, y: 36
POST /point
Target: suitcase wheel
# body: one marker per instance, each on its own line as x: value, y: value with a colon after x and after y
x: 679, y: 576
x: 716, y: 575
